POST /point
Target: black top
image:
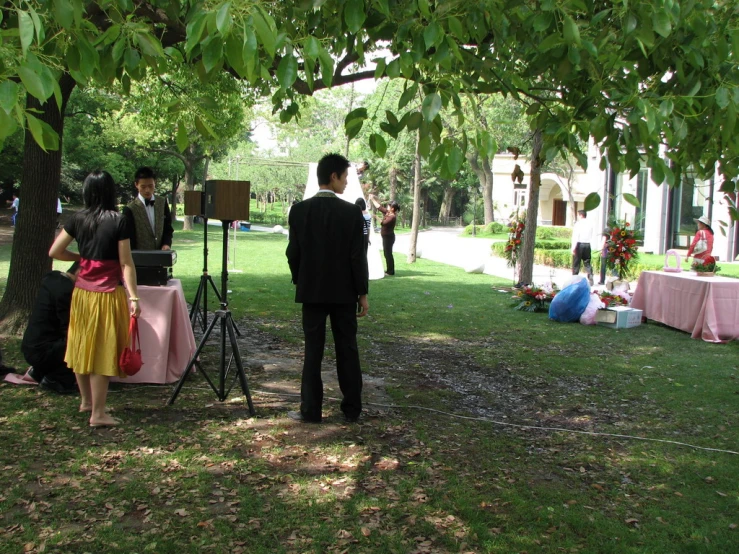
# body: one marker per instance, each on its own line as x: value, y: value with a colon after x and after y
x: 103, y: 245
x: 326, y: 250
x: 387, y: 226
x: 50, y: 316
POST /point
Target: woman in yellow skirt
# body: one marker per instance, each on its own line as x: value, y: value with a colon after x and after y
x: 98, y: 323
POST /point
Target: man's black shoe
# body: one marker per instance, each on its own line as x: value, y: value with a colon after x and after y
x: 34, y: 374
x: 351, y: 419
x: 57, y: 387
x: 297, y: 416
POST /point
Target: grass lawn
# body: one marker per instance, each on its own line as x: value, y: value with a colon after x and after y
x: 493, y: 445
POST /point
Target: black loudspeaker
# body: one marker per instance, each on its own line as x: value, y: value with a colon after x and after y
x: 194, y: 202
x: 227, y: 200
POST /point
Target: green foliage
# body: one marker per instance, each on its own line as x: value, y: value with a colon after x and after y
x: 544, y: 232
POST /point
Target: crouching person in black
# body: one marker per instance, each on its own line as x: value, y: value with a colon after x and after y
x: 45, y: 340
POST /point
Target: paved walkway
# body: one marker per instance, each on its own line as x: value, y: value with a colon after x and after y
x: 447, y: 245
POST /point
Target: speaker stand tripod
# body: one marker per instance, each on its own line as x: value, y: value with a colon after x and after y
x: 201, y: 295
x: 224, y: 317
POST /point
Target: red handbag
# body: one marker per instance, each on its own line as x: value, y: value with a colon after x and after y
x: 130, y: 360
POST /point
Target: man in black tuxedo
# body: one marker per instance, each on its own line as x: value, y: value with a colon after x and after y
x: 329, y: 267
x: 45, y: 340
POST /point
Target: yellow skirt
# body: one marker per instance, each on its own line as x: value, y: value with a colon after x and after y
x: 98, y: 332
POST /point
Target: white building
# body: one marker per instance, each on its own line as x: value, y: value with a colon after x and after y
x: 665, y: 217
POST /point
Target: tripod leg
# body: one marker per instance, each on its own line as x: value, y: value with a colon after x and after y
x: 195, y: 309
x: 239, y: 366
x: 194, y: 361
x: 218, y: 295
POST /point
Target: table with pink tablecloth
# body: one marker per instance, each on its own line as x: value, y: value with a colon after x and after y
x: 167, y: 341
x: 705, y: 307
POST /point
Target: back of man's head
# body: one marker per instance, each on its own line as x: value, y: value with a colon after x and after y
x: 582, y: 213
x: 144, y: 173
x: 330, y: 164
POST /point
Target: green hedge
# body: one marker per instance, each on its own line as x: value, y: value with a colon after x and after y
x: 549, y: 233
x: 493, y: 228
x: 563, y: 259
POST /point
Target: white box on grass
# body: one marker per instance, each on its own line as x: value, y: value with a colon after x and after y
x: 618, y: 317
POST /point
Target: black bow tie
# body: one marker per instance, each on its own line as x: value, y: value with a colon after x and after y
x: 148, y: 202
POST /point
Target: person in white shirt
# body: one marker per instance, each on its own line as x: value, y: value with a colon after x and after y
x: 582, y: 234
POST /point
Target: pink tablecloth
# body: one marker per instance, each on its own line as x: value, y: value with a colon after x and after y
x: 167, y: 341
x: 705, y: 307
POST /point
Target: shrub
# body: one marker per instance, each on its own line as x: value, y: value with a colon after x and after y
x: 495, y: 228
x: 479, y: 229
x: 549, y: 233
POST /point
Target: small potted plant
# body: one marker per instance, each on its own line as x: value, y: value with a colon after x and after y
x: 705, y: 267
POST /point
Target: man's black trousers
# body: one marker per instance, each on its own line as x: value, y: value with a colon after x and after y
x: 343, y: 319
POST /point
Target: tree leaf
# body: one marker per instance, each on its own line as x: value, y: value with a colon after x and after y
x: 287, y: 71
x: 8, y: 125
x: 195, y: 30
x: 182, y: 141
x: 592, y: 201
x: 8, y: 95
x: 35, y: 83
x: 423, y: 7
x: 407, y: 95
x: 149, y: 45
x: 378, y: 144
x: 424, y: 146
x: 25, y: 28
x: 661, y: 22
x: 414, y: 121
x: 204, y: 129
x: 543, y: 21
x: 63, y: 13
x: 722, y: 97
x: 431, y: 34
x: 42, y: 133
x: 327, y: 67
x: 264, y: 32
x: 354, y: 15
x: 457, y: 29
x: 631, y: 199
x: 212, y: 53
x: 431, y: 106
x: 454, y: 160
x: 224, y: 21
x: 571, y: 31
x: 311, y: 47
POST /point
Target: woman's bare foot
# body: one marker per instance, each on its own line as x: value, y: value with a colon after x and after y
x: 86, y: 408
x: 107, y: 421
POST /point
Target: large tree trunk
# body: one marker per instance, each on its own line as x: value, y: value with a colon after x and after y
x: 187, y: 221
x: 416, y: 203
x: 526, y: 271
x: 173, y: 207
x: 446, y: 204
x: 393, y: 183
x: 484, y: 173
x: 34, y: 231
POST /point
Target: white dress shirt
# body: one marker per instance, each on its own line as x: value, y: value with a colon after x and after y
x: 582, y: 232
x: 149, y: 211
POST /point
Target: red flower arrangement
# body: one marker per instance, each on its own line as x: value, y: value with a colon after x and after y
x: 610, y: 299
x: 705, y: 265
x: 515, y: 237
x: 621, y: 246
x: 534, y: 299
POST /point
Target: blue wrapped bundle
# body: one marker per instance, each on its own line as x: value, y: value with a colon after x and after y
x: 571, y: 302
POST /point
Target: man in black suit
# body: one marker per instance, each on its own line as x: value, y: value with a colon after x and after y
x: 329, y: 267
x: 45, y: 340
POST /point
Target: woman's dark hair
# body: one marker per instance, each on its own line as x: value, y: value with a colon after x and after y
x: 361, y: 203
x: 98, y: 192
x: 330, y: 164
x: 394, y: 205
